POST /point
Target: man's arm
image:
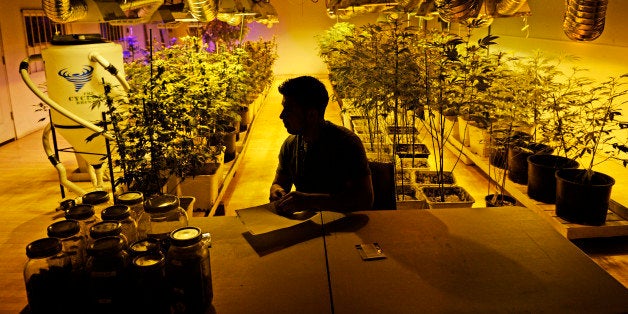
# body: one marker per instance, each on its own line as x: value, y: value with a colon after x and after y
x: 357, y: 195
x: 282, y: 184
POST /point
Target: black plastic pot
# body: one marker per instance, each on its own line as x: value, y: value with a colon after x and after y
x: 499, y: 200
x: 541, y: 179
x: 501, y: 140
x: 583, y: 202
x: 518, y: 160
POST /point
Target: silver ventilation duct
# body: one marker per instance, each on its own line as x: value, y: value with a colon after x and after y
x: 457, y: 10
x: 64, y: 11
x: 584, y: 19
x: 202, y: 10
x: 510, y: 7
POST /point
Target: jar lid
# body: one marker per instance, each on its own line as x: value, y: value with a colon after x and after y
x: 149, y: 261
x: 161, y: 203
x: 95, y: 197
x: 105, y: 229
x: 116, y: 212
x: 80, y: 212
x: 106, y: 246
x: 185, y: 236
x: 64, y: 228
x: 130, y: 198
x: 43, y: 248
x: 67, y: 203
x: 144, y: 246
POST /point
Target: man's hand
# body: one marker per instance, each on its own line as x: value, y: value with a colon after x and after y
x: 276, y: 192
x: 291, y: 203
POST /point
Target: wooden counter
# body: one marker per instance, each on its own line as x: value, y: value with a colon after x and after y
x: 452, y: 260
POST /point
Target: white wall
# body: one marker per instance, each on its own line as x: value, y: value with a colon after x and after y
x: 605, y: 56
x: 301, y: 20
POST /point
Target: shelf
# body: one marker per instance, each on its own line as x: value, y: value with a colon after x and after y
x: 617, y: 216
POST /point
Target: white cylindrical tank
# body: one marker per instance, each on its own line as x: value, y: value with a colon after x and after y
x: 73, y: 81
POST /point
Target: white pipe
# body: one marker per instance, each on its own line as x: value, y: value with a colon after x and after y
x: 24, y: 72
x: 63, y: 175
x: 96, y: 57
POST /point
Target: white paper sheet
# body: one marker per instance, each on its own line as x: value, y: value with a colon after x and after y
x: 264, y: 218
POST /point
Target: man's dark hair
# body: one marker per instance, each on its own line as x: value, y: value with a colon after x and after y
x: 307, y: 91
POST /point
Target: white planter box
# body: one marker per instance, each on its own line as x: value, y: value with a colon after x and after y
x: 204, y: 188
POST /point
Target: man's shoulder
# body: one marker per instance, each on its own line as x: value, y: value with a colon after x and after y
x: 339, y: 130
x: 342, y: 136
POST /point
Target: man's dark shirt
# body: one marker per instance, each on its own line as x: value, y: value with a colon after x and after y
x: 324, y: 166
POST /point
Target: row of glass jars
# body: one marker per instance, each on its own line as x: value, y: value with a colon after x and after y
x: 157, y: 264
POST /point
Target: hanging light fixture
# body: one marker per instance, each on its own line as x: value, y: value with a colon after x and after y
x: 233, y: 12
x: 265, y: 13
x: 137, y: 12
x: 584, y: 19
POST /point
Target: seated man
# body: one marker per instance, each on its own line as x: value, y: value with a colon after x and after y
x: 326, y: 163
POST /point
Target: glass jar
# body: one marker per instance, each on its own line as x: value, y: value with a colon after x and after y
x: 122, y: 214
x: 73, y: 242
x: 188, y: 271
x: 135, y: 201
x: 46, y: 276
x: 149, y: 284
x: 85, y: 215
x: 107, y: 278
x: 162, y: 215
x: 99, y: 199
x: 107, y: 229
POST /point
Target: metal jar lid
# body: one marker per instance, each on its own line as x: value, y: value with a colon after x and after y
x: 130, y: 198
x: 106, y: 246
x: 105, y: 229
x: 185, y: 236
x: 149, y: 261
x: 116, y: 212
x: 64, y: 228
x: 80, y: 212
x: 149, y: 245
x: 161, y: 203
x: 95, y: 197
x: 43, y: 248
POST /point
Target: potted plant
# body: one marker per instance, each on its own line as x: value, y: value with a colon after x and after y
x: 258, y: 61
x: 565, y: 96
x: 583, y: 195
x: 533, y: 79
x: 441, y: 60
x: 165, y: 125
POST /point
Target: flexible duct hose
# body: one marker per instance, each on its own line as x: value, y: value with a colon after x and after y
x: 64, y: 11
x: 584, y: 19
x: 202, y: 10
x: 509, y: 7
